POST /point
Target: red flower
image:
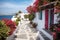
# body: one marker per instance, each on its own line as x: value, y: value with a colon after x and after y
x: 35, y: 7
x: 58, y: 29
x: 36, y: 2
x: 5, y: 20
x: 10, y: 24
x: 30, y: 9
x: 56, y: 9
x: 54, y: 35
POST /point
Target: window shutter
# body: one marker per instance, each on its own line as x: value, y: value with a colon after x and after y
x: 40, y: 15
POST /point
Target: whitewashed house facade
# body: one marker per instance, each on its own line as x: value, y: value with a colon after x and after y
x: 46, y: 17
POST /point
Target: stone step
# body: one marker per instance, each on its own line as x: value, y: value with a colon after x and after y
x: 19, y: 39
x: 48, y: 31
x: 47, y: 34
x: 44, y: 36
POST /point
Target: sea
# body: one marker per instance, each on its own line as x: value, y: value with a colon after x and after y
x: 6, y: 16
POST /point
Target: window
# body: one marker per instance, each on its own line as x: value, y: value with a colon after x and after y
x: 40, y: 15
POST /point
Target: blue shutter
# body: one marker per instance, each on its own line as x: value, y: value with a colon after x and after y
x: 40, y: 15
x: 51, y: 16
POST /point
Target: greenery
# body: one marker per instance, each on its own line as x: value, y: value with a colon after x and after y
x: 31, y: 16
x: 26, y: 16
x: 17, y: 20
x: 4, y: 30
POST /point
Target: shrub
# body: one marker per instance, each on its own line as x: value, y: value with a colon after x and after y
x: 4, y: 30
x: 10, y: 24
x: 17, y: 20
x: 25, y: 16
x: 31, y: 16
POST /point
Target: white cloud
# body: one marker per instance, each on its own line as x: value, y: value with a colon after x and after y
x: 6, y: 7
x: 10, y: 5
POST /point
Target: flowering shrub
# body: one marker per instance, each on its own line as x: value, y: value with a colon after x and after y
x: 38, y: 2
x: 5, y: 20
x: 57, y: 8
x: 55, y: 29
x: 30, y: 9
x: 35, y: 6
x: 10, y: 24
x: 4, y: 30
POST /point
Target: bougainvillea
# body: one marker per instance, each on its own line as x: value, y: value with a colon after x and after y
x: 35, y: 7
x: 30, y: 9
x: 10, y: 24
x: 38, y: 2
x: 57, y: 7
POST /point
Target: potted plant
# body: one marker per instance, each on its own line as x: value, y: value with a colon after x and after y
x: 34, y: 25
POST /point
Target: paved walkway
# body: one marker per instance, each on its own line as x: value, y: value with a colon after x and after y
x: 25, y: 32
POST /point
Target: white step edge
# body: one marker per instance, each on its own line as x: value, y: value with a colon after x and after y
x: 47, y: 34
x: 41, y: 38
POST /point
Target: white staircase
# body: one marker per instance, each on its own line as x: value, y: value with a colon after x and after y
x: 47, y: 34
x: 25, y: 32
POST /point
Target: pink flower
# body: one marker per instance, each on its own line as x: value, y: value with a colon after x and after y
x: 30, y: 9
x: 10, y: 24
x: 35, y: 7
x: 58, y: 29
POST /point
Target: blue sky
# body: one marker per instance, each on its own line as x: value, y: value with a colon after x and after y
x: 10, y: 7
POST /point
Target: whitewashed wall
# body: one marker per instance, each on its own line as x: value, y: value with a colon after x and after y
x: 55, y: 18
x: 41, y: 23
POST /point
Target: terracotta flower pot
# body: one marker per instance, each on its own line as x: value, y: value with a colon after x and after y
x: 34, y: 25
